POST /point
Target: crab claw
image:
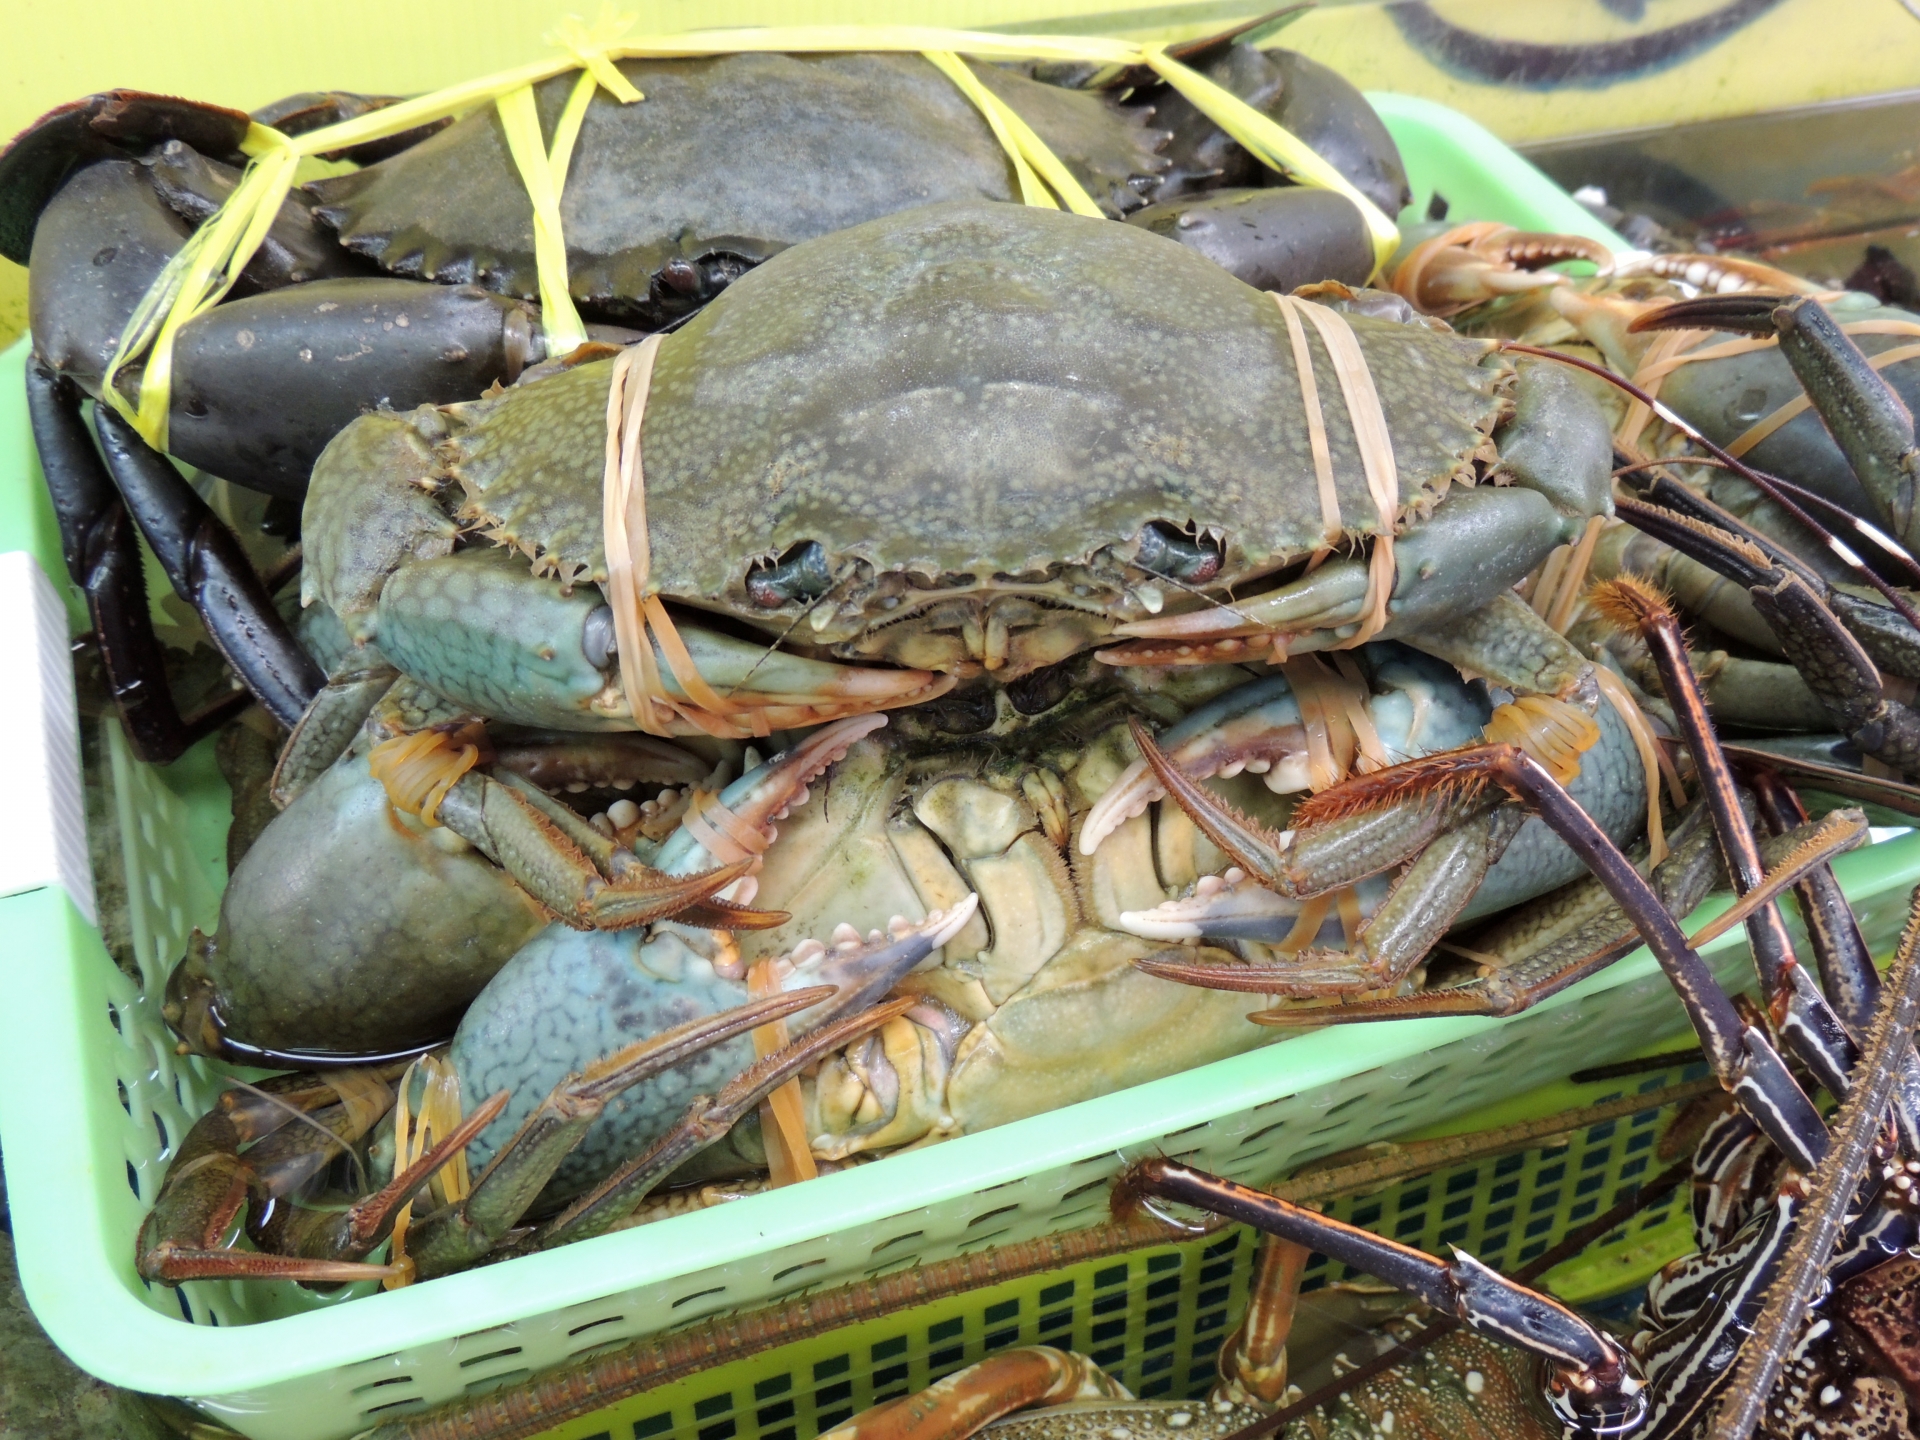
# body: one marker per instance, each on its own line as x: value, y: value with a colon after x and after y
x: 738, y: 824
x: 783, y: 690
x: 863, y: 970
x: 1235, y: 907
x: 1470, y: 264
x: 1255, y: 727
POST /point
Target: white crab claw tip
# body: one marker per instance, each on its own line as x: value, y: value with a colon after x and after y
x: 942, y: 927
x: 1235, y: 875
x: 1209, y: 885
x: 1154, y: 925
x: 1232, y: 770
x: 845, y: 934
x: 899, y: 925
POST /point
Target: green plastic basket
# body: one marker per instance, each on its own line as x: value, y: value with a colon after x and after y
x: 1154, y: 1318
x: 92, y: 1097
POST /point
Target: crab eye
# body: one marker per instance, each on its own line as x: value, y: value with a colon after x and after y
x: 800, y: 574
x: 597, y: 637
x: 1176, y: 554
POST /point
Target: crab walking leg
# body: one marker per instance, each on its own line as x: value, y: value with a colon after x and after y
x: 210, y: 572
x: 707, y: 1120
x: 456, y: 1235
x: 209, y: 1180
x: 1741, y: 1056
x: 1451, y: 840
x: 533, y: 845
x: 1298, y: 729
x: 322, y: 1236
x: 1595, y: 1389
x: 1800, y: 1013
x: 103, y: 559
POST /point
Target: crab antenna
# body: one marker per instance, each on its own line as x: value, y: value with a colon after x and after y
x: 1741, y: 1056
x: 1801, y: 1014
x: 1834, y: 1186
x: 1735, y: 464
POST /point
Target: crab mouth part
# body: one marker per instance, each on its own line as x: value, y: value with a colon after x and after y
x: 1007, y: 626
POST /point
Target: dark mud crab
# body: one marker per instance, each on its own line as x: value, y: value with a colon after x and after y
x: 971, y: 440
x: 100, y: 196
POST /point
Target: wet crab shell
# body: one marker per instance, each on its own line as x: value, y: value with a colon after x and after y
x: 975, y: 398
x: 808, y: 144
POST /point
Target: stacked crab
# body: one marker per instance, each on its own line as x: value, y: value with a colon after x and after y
x: 767, y: 707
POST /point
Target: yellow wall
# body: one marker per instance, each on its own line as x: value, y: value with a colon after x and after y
x: 246, y: 55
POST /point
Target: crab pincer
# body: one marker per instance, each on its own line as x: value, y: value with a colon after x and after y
x: 1448, y: 839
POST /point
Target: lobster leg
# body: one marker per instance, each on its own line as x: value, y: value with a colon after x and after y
x: 1800, y: 1013
x: 103, y: 557
x: 1815, y: 640
x: 1594, y: 1386
x: 210, y: 572
x: 1742, y: 1056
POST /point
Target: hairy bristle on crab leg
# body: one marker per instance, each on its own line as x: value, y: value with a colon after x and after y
x: 1798, y: 1009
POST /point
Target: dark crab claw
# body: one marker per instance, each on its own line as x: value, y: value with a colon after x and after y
x: 1866, y: 416
x: 114, y: 123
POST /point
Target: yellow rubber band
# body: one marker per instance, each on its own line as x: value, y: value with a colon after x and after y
x: 206, y: 267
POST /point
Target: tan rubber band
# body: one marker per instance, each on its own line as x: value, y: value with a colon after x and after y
x: 1330, y: 519
x: 1573, y: 582
x: 720, y: 832
x: 1313, y: 914
x: 623, y: 518
x: 1353, y: 698
x: 1795, y: 407
x: 1375, y: 443
x: 1652, y: 761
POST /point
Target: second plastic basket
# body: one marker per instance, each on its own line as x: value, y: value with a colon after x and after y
x: 93, y: 1099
